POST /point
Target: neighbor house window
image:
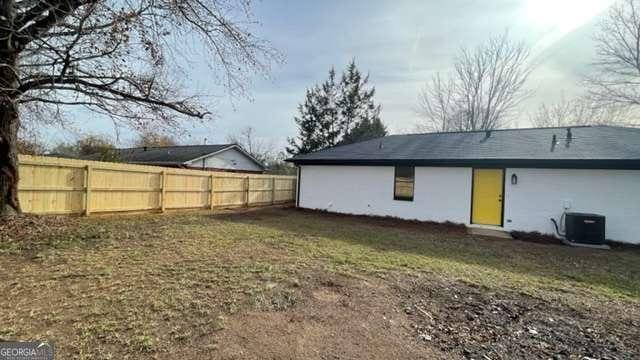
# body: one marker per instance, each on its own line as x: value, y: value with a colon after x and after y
x: 403, y: 186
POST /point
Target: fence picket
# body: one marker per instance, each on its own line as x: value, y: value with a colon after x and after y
x: 163, y: 191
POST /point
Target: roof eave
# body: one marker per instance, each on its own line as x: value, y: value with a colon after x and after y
x: 623, y: 164
x: 229, y: 147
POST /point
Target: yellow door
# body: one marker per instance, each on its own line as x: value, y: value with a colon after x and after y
x: 487, y: 197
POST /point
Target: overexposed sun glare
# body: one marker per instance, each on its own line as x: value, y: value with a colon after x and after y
x: 559, y: 17
x: 564, y: 15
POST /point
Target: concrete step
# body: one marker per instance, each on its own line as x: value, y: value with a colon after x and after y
x: 489, y: 232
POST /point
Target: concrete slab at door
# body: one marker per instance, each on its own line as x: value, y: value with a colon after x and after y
x: 487, y: 196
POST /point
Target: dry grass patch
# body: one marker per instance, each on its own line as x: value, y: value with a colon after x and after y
x: 147, y: 286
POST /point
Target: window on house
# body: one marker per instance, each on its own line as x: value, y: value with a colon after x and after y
x: 403, y: 187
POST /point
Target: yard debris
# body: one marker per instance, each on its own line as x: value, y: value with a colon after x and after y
x: 424, y: 312
x: 25, y: 228
x: 475, y: 323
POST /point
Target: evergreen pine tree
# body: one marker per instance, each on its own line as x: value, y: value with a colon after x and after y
x: 330, y: 126
x: 356, y: 99
x: 318, y: 122
x: 366, y: 129
x: 337, y: 113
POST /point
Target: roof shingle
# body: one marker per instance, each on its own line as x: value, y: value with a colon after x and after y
x: 168, y: 155
x: 587, y: 143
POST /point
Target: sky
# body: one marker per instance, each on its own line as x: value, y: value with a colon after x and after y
x: 401, y: 44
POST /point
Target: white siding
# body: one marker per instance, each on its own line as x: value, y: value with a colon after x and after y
x: 231, y: 159
x: 440, y: 194
x: 543, y: 193
x: 444, y: 194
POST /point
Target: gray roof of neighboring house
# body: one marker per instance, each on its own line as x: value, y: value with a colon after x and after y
x: 172, y: 155
x: 588, y: 146
x: 168, y: 154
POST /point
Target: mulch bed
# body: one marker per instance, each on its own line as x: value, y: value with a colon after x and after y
x: 440, y: 227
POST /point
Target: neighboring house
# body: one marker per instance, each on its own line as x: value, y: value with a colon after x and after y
x: 225, y: 157
x: 507, y: 179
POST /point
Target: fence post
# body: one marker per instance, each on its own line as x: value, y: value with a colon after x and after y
x: 211, y: 181
x: 246, y: 186
x: 87, y: 191
x: 163, y: 190
x: 273, y: 190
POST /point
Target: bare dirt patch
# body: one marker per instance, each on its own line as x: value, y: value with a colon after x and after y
x: 477, y: 323
x: 336, y: 318
x: 404, y: 316
x: 326, y: 295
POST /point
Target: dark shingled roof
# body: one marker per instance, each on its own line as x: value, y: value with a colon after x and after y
x: 168, y: 155
x: 588, y: 147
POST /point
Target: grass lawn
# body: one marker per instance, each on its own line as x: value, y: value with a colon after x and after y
x: 284, y: 283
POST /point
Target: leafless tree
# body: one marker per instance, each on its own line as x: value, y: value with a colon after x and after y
x: 123, y: 59
x: 29, y: 140
x: 581, y: 111
x: 261, y: 150
x: 154, y: 138
x: 30, y: 146
x: 96, y: 147
x: 616, y: 70
x: 484, y: 90
x: 436, y: 103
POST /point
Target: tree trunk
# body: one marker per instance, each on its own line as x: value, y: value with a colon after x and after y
x: 9, y: 120
x: 8, y: 156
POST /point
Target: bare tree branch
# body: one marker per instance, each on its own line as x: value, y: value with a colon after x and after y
x: 121, y: 50
x: 125, y: 59
x: 259, y: 149
x: 483, y: 92
x: 436, y: 104
x: 615, y: 80
x: 582, y: 111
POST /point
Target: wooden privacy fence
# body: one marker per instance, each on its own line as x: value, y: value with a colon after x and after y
x: 51, y: 185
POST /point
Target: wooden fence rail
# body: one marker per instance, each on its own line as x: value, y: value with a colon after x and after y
x: 51, y: 185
